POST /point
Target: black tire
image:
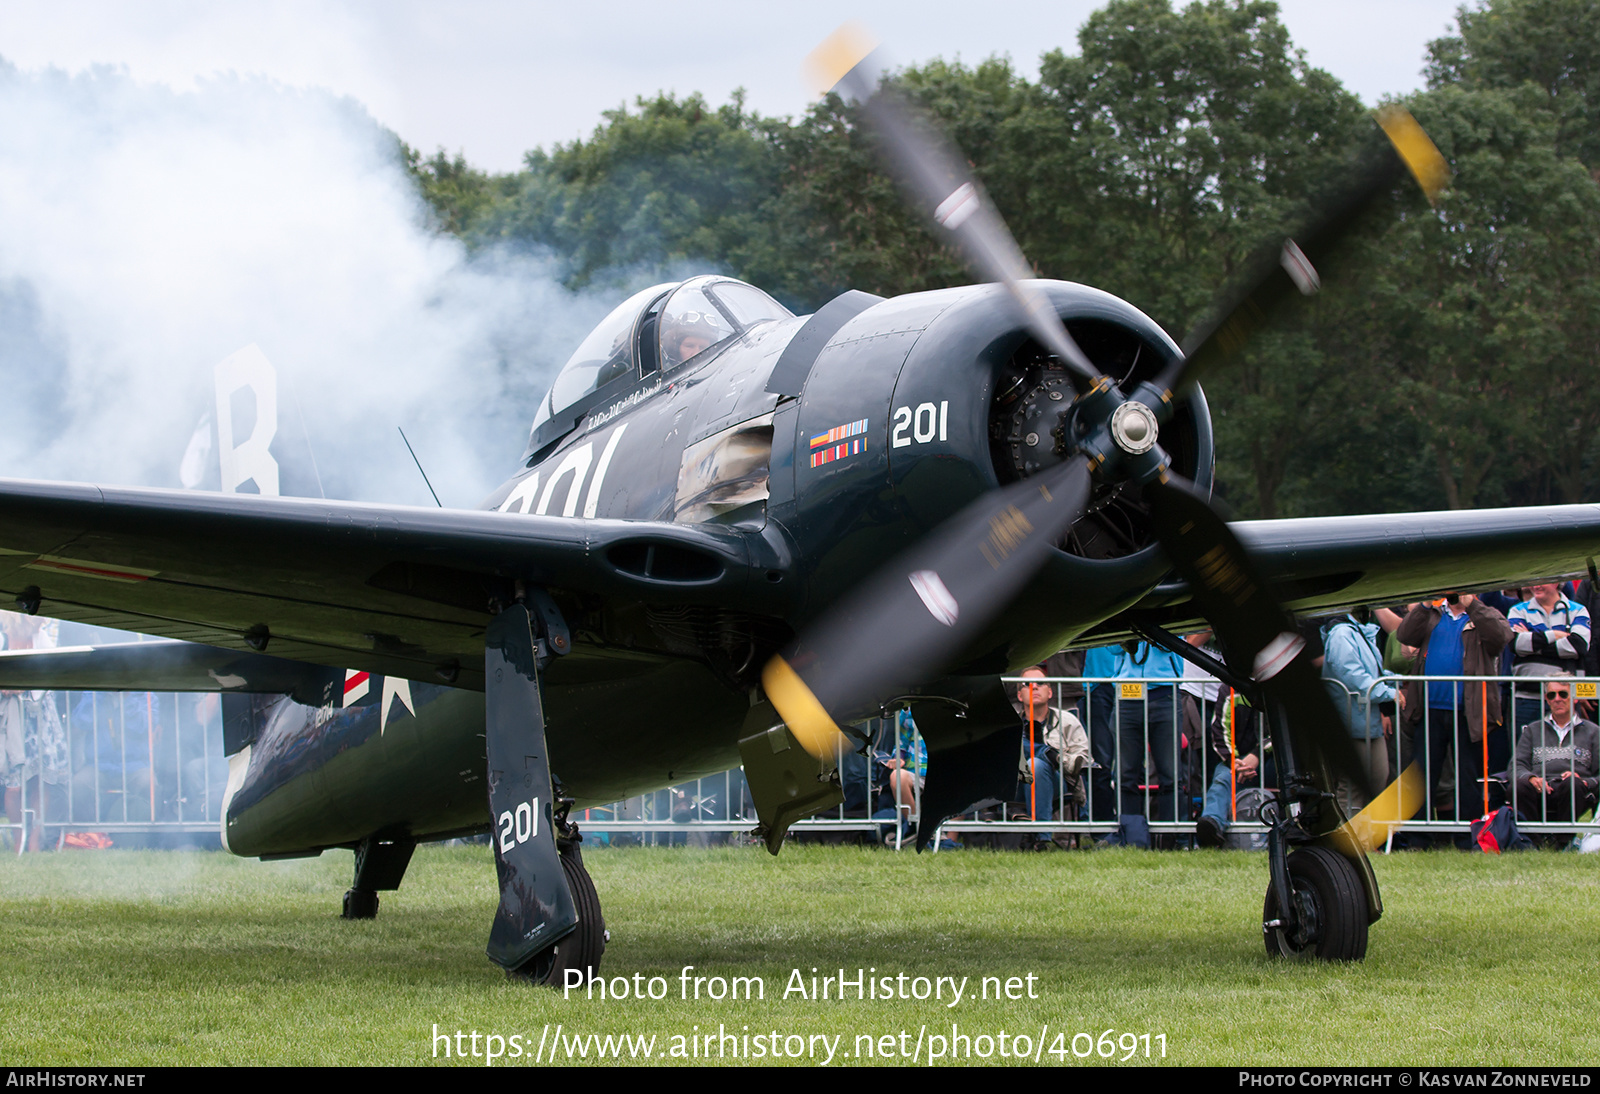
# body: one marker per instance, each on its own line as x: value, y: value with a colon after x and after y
x: 359, y: 904
x: 1329, y: 894
x: 584, y: 945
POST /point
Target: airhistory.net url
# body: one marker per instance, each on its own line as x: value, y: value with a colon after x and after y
x: 557, y: 1045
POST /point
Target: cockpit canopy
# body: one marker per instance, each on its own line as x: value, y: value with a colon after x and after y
x: 658, y: 329
x: 607, y: 354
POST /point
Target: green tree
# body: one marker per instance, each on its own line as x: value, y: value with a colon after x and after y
x: 840, y: 222
x: 671, y: 180
x: 1171, y: 145
x: 458, y: 193
x: 1155, y: 162
x: 1492, y: 308
x: 1552, y: 44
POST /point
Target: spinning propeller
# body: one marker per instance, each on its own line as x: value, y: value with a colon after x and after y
x: 923, y: 608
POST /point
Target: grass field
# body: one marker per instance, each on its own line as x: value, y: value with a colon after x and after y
x: 139, y: 958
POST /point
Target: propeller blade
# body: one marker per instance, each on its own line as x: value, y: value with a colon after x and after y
x: 1370, y: 829
x: 1276, y: 273
x: 906, y: 621
x: 939, y: 183
x: 1251, y: 624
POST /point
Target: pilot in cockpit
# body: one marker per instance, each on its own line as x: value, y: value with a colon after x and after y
x: 688, y: 333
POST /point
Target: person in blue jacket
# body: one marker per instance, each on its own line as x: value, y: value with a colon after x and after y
x: 1102, y: 662
x: 1352, y: 667
x: 1148, y: 717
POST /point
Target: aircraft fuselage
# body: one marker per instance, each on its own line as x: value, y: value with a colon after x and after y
x: 891, y: 432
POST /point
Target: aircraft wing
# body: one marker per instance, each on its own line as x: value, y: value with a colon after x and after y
x: 397, y: 590
x: 162, y: 665
x: 1317, y: 563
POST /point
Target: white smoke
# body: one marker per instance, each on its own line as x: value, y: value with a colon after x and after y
x: 148, y: 233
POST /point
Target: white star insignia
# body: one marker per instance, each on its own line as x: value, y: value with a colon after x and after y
x: 395, y: 688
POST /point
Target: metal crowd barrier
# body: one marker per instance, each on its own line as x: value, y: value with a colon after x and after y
x: 1483, y: 777
x: 1162, y: 727
x: 1147, y: 714
x: 152, y: 763
x: 129, y: 762
x: 719, y: 808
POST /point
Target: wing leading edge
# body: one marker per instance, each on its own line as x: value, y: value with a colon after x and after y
x: 1319, y: 563
x: 398, y: 590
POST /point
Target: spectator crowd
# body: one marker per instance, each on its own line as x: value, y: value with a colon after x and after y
x: 1124, y: 735
x: 1506, y: 720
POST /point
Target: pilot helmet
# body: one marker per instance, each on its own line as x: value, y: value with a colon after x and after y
x: 688, y: 333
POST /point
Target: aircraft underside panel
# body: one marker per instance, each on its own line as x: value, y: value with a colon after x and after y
x: 321, y: 777
x: 318, y: 777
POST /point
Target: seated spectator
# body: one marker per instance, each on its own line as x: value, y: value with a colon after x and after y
x: 907, y: 767
x: 1236, y: 743
x: 1555, y: 771
x: 1550, y: 636
x: 1057, y: 750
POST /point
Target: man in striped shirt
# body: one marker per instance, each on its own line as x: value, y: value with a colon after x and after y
x: 1550, y: 635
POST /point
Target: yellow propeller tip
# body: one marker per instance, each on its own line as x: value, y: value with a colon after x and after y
x: 1397, y: 804
x: 800, y: 710
x: 841, y: 51
x: 1420, y: 154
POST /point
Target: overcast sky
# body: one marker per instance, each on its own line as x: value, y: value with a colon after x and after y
x: 493, y: 78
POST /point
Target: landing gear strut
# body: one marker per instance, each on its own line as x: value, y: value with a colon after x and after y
x: 380, y: 864
x: 549, y: 919
x: 1322, y: 896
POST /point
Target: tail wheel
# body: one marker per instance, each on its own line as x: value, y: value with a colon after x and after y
x: 359, y: 904
x: 1331, y: 907
x: 585, y: 944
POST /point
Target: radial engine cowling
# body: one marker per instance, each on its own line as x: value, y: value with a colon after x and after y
x: 957, y: 399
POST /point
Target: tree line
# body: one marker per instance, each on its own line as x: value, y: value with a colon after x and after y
x: 1451, y: 360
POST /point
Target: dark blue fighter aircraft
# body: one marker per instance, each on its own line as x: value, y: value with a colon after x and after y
x: 736, y: 530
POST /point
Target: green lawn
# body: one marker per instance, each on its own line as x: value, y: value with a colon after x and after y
x: 167, y: 957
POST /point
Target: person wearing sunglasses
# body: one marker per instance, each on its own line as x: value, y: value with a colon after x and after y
x: 1556, y: 777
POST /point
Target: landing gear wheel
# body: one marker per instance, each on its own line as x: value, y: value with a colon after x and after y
x: 584, y: 945
x: 1331, y: 907
x: 360, y: 904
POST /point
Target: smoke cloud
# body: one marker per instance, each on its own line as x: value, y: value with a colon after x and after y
x: 147, y: 234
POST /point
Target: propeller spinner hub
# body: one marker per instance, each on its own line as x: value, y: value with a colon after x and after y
x: 1134, y: 428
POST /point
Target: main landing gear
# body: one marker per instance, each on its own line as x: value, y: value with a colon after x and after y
x: 549, y: 920
x: 1330, y: 910
x: 586, y: 944
x: 1322, y: 896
